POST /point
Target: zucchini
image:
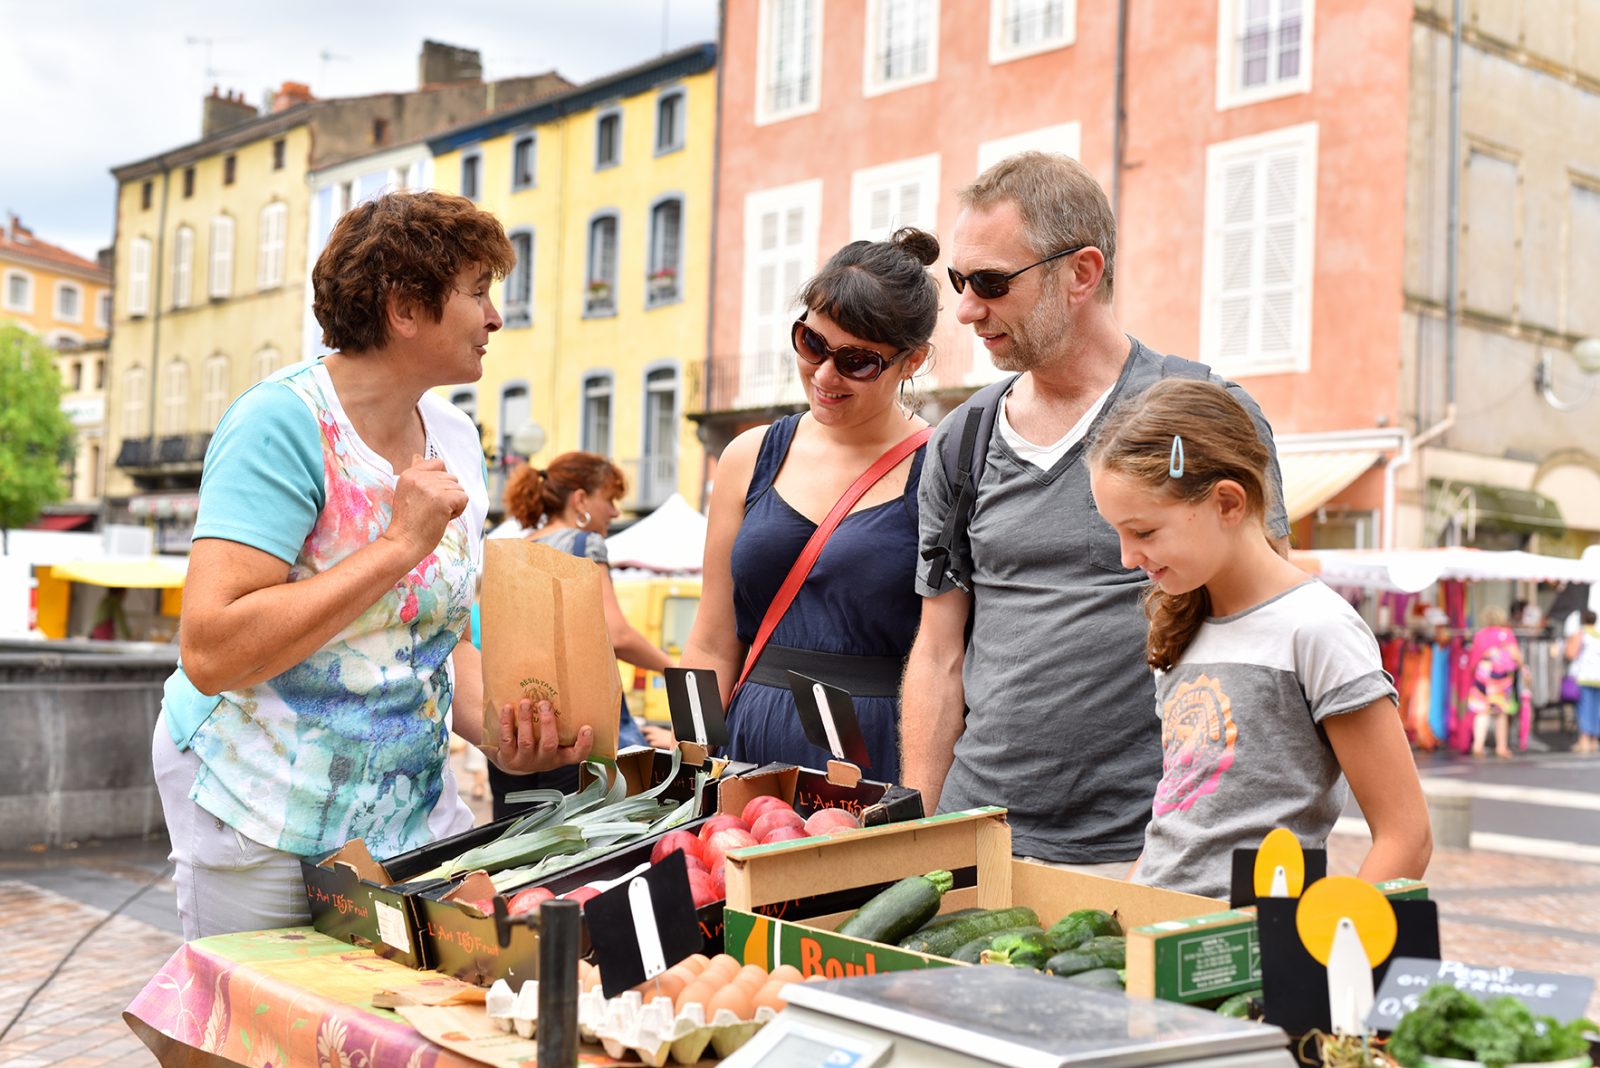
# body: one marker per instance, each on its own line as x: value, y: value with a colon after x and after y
x: 1112, y: 952
x: 1076, y: 928
x: 944, y: 940
x: 946, y: 917
x: 1072, y: 962
x: 1020, y: 949
x: 973, y: 951
x: 1246, y: 1006
x: 1106, y: 978
x: 899, y: 910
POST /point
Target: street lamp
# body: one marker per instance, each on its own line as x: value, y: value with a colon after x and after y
x: 529, y: 438
x: 1586, y: 354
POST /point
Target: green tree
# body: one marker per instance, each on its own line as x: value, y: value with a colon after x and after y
x: 35, y: 434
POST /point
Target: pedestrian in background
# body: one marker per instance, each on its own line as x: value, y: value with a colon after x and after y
x: 110, y: 620
x: 1495, y: 659
x: 569, y: 506
x: 864, y: 333
x: 1583, y: 649
x: 336, y: 551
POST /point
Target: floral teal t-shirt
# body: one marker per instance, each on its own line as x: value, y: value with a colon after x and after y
x: 351, y: 742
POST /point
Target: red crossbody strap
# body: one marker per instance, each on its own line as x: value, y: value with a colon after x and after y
x: 813, y: 548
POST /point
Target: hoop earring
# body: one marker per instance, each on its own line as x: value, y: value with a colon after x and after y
x: 583, y: 519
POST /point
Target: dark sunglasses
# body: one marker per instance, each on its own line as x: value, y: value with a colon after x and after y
x: 992, y: 285
x: 854, y: 363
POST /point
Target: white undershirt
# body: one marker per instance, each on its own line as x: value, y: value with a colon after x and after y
x: 1044, y: 457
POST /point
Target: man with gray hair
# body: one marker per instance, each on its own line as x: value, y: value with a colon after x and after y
x: 1027, y: 685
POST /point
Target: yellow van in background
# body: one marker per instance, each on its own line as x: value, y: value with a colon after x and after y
x: 661, y: 608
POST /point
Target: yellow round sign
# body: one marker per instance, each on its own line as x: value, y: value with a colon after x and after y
x: 1328, y: 900
x: 1280, y: 849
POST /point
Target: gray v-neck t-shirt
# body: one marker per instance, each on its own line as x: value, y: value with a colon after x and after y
x: 1059, y: 727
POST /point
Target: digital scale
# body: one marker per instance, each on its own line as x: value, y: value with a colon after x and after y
x: 944, y: 1017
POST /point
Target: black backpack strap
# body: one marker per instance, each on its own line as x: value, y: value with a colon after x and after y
x: 1178, y: 367
x: 964, y: 461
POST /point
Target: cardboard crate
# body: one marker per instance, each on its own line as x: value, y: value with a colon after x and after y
x: 1204, y: 958
x: 975, y: 846
x: 479, y: 948
x: 357, y: 899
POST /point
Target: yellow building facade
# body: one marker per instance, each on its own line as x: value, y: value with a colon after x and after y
x: 65, y: 300
x: 605, y: 191
x: 210, y: 254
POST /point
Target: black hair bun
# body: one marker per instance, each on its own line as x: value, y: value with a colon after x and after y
x: 921, y: 244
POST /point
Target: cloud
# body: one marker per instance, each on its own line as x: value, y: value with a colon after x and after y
x: 109, y: 83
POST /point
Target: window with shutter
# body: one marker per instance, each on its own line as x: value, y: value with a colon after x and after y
x: 266, y: 362
x: 787, y: 75
x: 175, y: 400
x: 139, y: 276
x: 1260, y: 222
x: 601, y: 294
x: 519, y: 283
x: 221, y: 280
x: 133, y: 403
x: 1263, y: 50
x: 522, y: 160
x: 1583, y: 260
x: 658, y: 467
x: 215, y: 392
x: 887, y: 197
x: 1020, y: 28
x: 663, y: 282
x: 69, y: 302
x: 182, y: 267
x: 780, y: 253
x: 595, y: 425
x: 902, y: 44
x: 1490, y: 226
x: 274, y: 227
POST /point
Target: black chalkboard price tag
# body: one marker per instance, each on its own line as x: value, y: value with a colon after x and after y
x: 1565, y: 997
x: 643, y: 926
x: 828, y: 717
x: 696, y: 706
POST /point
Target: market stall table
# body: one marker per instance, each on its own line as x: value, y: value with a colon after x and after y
x: 285, y: 997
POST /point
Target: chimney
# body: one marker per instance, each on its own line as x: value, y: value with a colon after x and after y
x: 223, y: 112
x: 290, y: 94
x: 441, y: 64
x: 17, y: 233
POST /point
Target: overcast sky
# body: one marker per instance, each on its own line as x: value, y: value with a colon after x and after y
x: 92, y: 84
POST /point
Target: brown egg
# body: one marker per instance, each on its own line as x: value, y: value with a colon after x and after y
x: 733, y: 997
x: 788, y: 973
x: 753, y: 976
x: 695, y: 962
x: 668, y: 985
x: 816, y: 978
x: 721, y: 970
x: 696, y: 993
x: 771, y: 996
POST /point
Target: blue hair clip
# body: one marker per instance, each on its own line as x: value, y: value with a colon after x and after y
x: 1175, y: 460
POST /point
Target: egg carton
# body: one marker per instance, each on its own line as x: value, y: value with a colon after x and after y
x: 651, y: 1031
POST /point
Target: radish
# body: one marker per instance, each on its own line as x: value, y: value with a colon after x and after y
x: 528, y: 900
x: 831, y: 819
x: 774, y: 818
x: 720, y: 822
x: 582, y: 894
x: 724, y: 842
x: 784, y: 834
x: 756, y: 806
x: 684, y: 840
x: 484, y: 905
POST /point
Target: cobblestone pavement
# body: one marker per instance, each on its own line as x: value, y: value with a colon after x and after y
x: 1494, y: 909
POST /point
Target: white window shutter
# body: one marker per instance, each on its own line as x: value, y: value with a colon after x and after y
x: 221, y: 279
x: 139, y: 277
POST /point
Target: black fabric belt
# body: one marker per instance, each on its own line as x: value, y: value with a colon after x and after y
x: 860, y: 676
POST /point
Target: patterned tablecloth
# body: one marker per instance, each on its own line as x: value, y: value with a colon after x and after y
x: 278, y: 998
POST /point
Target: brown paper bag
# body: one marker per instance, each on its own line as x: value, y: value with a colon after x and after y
x: 545, y: 637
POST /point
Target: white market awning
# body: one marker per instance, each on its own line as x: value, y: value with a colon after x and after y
x: 1414, y: 570
x: 1311, y: 479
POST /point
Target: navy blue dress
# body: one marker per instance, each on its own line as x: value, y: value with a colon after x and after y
x: 860, y: 600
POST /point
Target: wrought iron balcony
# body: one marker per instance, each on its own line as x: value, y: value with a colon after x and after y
x: 176, y: 451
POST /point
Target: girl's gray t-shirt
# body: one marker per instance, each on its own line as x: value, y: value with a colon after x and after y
x: 1243, y: 749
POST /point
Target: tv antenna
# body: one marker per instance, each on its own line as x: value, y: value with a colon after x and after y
x: 328, y: 57
x: 210, y: 73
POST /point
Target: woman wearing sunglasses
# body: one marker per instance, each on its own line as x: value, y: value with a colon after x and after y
x: 862, y: 335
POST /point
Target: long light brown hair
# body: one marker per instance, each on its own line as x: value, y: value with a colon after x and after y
x: 1220, y: 443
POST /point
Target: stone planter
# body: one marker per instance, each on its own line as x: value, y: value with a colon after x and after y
x: 78, y: 717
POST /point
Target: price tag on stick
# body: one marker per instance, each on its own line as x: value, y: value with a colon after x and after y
x: 828, y: 717
x: 1565, y: 997
x: 696, y: 706
x: 643, y: 926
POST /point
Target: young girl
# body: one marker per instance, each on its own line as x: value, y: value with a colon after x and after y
x: 1270, y: 689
